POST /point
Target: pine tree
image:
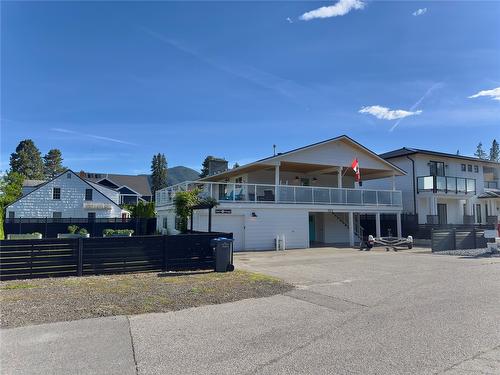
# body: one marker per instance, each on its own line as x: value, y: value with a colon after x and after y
x: 204, y: 166
x: 27, y: 160
x: 480, y: 152
x: 236, y: 165
x: 458, y: 152
x: 158, y: 172
x: 52, y: 163
x: 494, y: 151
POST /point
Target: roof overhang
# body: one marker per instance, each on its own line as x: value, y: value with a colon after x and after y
x: 270, y: 163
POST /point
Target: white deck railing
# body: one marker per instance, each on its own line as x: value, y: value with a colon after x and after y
x: 285, y: 194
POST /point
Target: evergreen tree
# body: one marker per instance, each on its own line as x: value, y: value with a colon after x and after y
x: 204, y: 166
x: 11, y: 185
x: 480, y: 152
x: 236, y: 165
x: 52, y: 163
x: 27, y: 160
x: 458, y: 152
x: 158, y: 173
x: 494, y: 151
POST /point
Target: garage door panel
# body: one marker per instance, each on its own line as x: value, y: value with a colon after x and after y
x: 231, y: 224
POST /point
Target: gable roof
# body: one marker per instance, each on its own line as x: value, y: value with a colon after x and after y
x: 56, y: 177
x: 411, y: 151
x: 278, y: 156
x: 139, y: 183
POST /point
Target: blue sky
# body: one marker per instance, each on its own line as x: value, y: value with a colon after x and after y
x: 112, y: 83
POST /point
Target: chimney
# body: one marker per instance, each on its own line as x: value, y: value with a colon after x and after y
x: 82, y: 174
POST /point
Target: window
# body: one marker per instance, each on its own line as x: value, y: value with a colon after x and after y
x: 464, y: 168
x: 12, y: 214
x: 68, y: 175
x: 469, y: 168
x: 91, y: 215
x: 476, y: 169
x: 56, y: 215
x: 165, y: 223
x: 56, y: 193
x: 436, y: 168
x: 88, y: 194
x: 239, y: 180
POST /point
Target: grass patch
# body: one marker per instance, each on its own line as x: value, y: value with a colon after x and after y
x: 71, y: 298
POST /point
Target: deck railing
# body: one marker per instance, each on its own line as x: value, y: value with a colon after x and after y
x: 446, y: 184
x: 284, y: 194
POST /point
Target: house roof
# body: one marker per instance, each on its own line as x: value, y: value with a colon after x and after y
x: 411, y: 151
x: 60, y: 174
x: 490, y: 194
x: 32, y: 183
x: 281, y: 154
x: 139, y: 183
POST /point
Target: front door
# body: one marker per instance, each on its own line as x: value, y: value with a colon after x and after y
x: 442, y: 214
x: 312, y: 229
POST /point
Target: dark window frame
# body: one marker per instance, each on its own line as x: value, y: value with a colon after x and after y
x: 469, y: 167
x: 436, y: 169
x: 464, y: 167
x: 89, y: 197
x: 56, y: 193
x: 476, y: 169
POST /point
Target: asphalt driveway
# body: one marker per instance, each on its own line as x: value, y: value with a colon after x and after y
x: 351, y: 313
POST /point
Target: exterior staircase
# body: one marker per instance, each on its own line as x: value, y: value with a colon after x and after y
x: 358, y: 229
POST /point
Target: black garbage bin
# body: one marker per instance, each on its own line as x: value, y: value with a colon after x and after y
x: 223, y: 251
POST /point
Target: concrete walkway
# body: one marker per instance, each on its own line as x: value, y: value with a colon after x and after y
x: 352, y: 312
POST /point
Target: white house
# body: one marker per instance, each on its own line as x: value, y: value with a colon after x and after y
x: 67, y: 196
x: 307, y: 196
x: 445, y: 188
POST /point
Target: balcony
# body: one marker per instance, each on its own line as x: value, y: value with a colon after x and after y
x: 442, y: 184
x: 283, y: 194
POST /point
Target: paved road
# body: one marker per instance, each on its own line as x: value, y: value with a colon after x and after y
x: 352, y: 313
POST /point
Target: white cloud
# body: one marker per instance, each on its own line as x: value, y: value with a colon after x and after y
x: 289, y: 20
x: 493, y: 93
x: 384, y: 113
x: 420, y: 12
x: 341, y: 8
x: 94, y: 136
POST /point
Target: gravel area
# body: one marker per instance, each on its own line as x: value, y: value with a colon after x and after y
x: 36, y: 301
x: 467, y: 252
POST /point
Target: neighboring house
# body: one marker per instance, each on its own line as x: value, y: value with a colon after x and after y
x: 30, y: 185
x: 131, y: 188
x: 445, y: 188
x: 67, y: 196
x: 307, y: 196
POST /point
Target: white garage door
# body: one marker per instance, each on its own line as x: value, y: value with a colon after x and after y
x: 231, y: 224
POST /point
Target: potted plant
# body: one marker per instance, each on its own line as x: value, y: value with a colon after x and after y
x: 25, y: 236
x: 74, y: 232
x: 117, y: 232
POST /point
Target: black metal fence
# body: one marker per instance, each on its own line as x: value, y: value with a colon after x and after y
x: 22, y: 259
x: 456, y: 239
x: 50, y: 227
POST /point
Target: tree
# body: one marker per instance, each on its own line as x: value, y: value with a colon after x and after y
x: 480, y: 152
x: 236, y: 165
x: 458, y: 152
x: 158, y: 173
x: 494, y: 151
x: 184, y: 201
x: 52, y: 163
x: 142, y: 209
x: 27, y: 160
x: 11, y: 186
x: 204, y: 166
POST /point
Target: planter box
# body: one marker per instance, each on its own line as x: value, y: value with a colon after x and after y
x: 25, y: 236
x: 72, y: 235
x: 118, y: 235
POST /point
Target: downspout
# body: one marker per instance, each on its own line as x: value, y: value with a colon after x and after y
x: 413, y: 184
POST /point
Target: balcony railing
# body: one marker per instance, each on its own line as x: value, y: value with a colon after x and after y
x: 284, y: 194
x: 457, y: 185
x: 491, y: 184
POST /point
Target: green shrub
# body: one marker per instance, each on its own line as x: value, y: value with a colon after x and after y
x: 123, y: 232
x: 72, y: 229
x: 36, y: 233
x: 83, y: 231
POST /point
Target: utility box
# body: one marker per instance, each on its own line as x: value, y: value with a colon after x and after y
x: 223, y: 251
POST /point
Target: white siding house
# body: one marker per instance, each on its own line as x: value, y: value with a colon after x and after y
x: 444, y: 188
x: 307, y: 196
x: 67, y: 196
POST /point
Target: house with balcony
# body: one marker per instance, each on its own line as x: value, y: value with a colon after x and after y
x: 444, y: 188
x: 66, y: 196
x: 304, y: 197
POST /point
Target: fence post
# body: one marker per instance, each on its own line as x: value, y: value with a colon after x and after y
x: 474, y: 235
x: 164, y: 246
x: 80, y: 257
x: 454, y: 239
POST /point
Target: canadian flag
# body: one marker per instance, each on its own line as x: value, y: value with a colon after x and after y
x: 355, y: 168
